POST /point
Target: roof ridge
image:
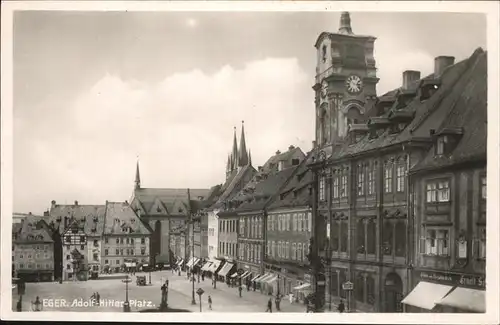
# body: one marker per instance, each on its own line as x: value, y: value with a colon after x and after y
x: 469, y: 62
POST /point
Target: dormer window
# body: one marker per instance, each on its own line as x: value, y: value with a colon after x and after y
x: 441, y: 145
x: 281, y: 165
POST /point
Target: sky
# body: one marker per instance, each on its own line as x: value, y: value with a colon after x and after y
x: 95, y: 91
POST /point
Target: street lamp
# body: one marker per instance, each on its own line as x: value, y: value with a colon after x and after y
x: 126, y: 304
x: 164, y: 296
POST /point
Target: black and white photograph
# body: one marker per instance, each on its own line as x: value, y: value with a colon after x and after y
x: 241, y: 158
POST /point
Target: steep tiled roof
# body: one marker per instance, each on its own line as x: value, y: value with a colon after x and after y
x: 467, y: 111
x: 34, y: 229
x: 167, y: 196
x: 232, y: 185
x: 90, y: 217
x: 121, y: 219
x: 296, y: 192
x: 428, y: 114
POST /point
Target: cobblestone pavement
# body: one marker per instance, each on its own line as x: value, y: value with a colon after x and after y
x: 75, y: 296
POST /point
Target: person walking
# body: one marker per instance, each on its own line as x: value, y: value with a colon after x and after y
x: 290, y: 296
x: 240, y: 289
x: 277, y: 302
x: 203, y: 276
x: 341, y: 306
x: 210, y: 302
x: 269, y: 306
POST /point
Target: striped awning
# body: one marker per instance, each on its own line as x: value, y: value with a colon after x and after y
x: 271, y: 279
x: 206, y: 266
x: 215, y: 265
x: 302, y: 286
x: 246, y: 275
x: 180, y: 262
x: 266, y: 277
x: 190, y: 262
x: 257, y: 277
x: 235, y: 274
x: 225, y: 269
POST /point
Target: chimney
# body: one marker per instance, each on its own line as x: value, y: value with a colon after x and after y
x: 76, y: 203
x: 53, y: 204
x: 46, y: 213
x: 278, y: 152
x: 441, y: 63
x: 291, y: 147
x: 29, y: 213
x: 314, y: 144
x: 410, y: 76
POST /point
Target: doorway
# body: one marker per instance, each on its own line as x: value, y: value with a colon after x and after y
x: 393, y: 294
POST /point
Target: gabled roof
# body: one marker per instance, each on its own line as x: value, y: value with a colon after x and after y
x: 90, y: 217
x: 121, y: 219
x: 429, y: 114
x: 34, y: 229
x: 296, y: 192
x: 231, y: 186
x: 168, y: 196
x: 466, y: 109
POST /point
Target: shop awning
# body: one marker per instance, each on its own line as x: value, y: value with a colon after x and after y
x: 130, y: 264
x: 225, y: 269
x: 179, y: 263
x: 235, y: 274
x: 426, y: 295
x: 466, y: 299
x: 302, y: 286
x: 246, y: 275
x: 206, y: 266
x: 271, y: 280
x: 266, y: 277
x: 196, y: 261
x: 214, y: 266
x: 257, y: 277
x: 190, y: 262
x: 145, y: 264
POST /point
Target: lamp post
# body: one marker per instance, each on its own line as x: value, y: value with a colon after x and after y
x: 200, y: 292
x: 126, y: 304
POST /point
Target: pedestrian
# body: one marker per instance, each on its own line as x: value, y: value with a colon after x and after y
x: 254, y: 286
x: 240, y: 289
x: 98, y: 297
x: 210, y: 302
x: 341, y: 306
x: 291, y: 298
x: 203, y: 277
x: 277, y: 302
x: 269, y: 306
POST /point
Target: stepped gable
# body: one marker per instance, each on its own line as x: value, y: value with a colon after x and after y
x: 121, y: 219
x: 466, y: 114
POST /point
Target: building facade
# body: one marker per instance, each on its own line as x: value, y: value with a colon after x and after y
x: 450, y: 191
x: 365, y: 147
x: 75, y: 252
x: 126, y: 239
x: 33, y: 250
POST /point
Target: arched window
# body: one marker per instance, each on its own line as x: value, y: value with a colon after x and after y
x: 259, y: 233
x: 371, y: 235
x: 294, y: 251
x: 360, y: 240
x: 388, y: 237
x: 370, y: 290
x: 334, y: 287
x: 400, y: 235
x: 335, y: 236
x: 294, y: 222
x: 359, y: 288
x: 344, y: 235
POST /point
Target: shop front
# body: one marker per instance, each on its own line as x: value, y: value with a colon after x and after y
x: 446, y: 292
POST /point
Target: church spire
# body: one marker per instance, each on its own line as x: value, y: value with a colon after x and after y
x: 345, y: 24
x: 234, y: 155
x: 249, y: 158
x: 243, y: 157
x: 137, y: 177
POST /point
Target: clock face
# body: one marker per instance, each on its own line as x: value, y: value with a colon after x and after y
x: 324, y: 88
x: 354, y: 84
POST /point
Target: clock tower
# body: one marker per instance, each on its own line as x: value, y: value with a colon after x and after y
x: 345, y: 83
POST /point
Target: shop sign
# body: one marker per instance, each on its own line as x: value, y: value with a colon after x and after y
x: 466, y: 280
x: 348, y: 286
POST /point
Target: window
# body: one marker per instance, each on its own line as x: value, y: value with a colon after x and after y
x: 143, y: 240
x: 371, y: 235
x: 437, y: 242
x: 106, y: 240
x: 361, y: 180
x: 335, y: 283
x: 299, y: 252
x: 388, y: 235
x: 400, y: 178
x: 359, y: 286
x: 343, y: 185
x: 483, y: 187
x: 95, y: 256
x: 106, y: 252
x: 335, y: 187
x: 388, y: 178
x: 371, y: 180
x: 323, y: 53
x: 322, y: 182
x: 344, y: 229
x: 370, y: 290
x: 305, y: 251
x: 335, y: 236
x: 82, y: 247
x: 400, y: 236
x: 117, y: 240
x: 294, y: 251
x: 441, y: 142
x: 287, y: 252
x: 117, y: 262
x: 82, y: 239
x: 482, y: 243
x: 68, y: 257
x: 259, y: 234
x: 132, y: 241
x: 443, y: 191
x: 117, y: 251
x: 96, y: 243
x: 361, y: 237
x: 431, y: 192
x: 132, y: 252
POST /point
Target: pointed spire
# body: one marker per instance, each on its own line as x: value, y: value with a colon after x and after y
x: 137, y: 177
x: 234, y: 155
x: 243, y: 158
x: 345, y: 24
x: 249, y: 158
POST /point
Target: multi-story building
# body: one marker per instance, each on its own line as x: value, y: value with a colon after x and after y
x: 249, y: 207
x: 365, y: 147
x: 87, y: 221
x: 165, y: 212
x: 449, y: 202
x: 126, y: 238
x: 288, y: 231
x: 33, y: 250
x: 239, y: 172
